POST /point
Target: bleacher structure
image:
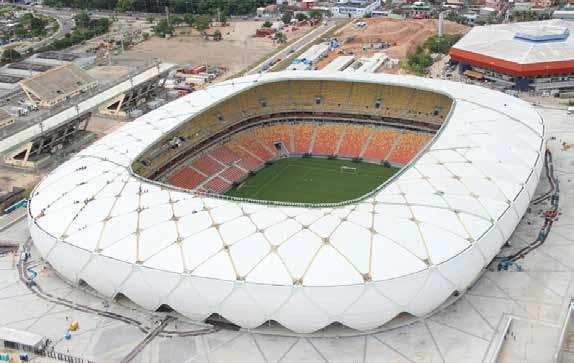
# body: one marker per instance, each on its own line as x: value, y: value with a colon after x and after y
x: 315, y: 117
x: 57, y: 85
x: 217, y: 168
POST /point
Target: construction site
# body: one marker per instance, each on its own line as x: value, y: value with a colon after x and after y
x: 238, y: 49
x: 396, y: 38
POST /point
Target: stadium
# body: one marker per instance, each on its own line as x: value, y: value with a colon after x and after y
x: 528, y: 56
x: 301, y: 198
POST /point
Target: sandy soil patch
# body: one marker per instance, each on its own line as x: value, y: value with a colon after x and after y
x: 238, y: 49
x: 108, y: 73
x: 403, y: 35
x: 103, y: 125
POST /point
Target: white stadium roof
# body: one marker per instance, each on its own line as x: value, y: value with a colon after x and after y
x: 405, y: 248
x: 522, y: 43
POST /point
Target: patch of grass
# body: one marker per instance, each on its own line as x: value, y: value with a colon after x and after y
x: 419, y: 61
x: 313, y: 180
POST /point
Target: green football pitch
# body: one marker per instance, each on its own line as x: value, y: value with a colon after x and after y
x: 313, y: 180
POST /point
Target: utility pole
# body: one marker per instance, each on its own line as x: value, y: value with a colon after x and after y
x: 167, y: 14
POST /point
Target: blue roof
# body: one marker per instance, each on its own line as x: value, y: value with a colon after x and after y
x: 542, y: 37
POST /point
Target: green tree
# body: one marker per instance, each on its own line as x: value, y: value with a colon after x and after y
x: 211, y: 7
x: 20, y: 32
x: 201, y: 22
x: 189, y: 19
x: 176, y: 20
x: 315, y: 14
x: 527, y: 15
x: 301, y: 17
x: 38, y: 26
x: 418, y: 61
x: 286, y: 18
x: 10, y: 55
x: 455, y: 17
x: 267, y: 24
x: 150, y: 19
x: 180, y: 6
x: 82, y: 19
x: 125, y: 5
x: 280, y: 37
x: 436, y: 44
x: 217, y: 35
x: 163, y: 28
x: 223, y: 18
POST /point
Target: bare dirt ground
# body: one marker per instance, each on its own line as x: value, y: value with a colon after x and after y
x: 103, y: 125
x: 108, y: 73
x: 403, y: 35
x: 10, y: 178
x: 238, y: 49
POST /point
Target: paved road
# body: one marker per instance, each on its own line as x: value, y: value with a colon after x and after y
x: 65, y: 22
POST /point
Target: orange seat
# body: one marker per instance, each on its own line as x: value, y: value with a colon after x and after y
x: 187, y: 178
x: 409, y: 144
x: 326, y: 139
x: 302, y: 136
x: 353, y: 140
x: 380, y: 144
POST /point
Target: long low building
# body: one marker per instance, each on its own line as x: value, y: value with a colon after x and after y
x: 306, y: 60
x: 339, y: 63
x: 536, y: 56
x: 403, y: 249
